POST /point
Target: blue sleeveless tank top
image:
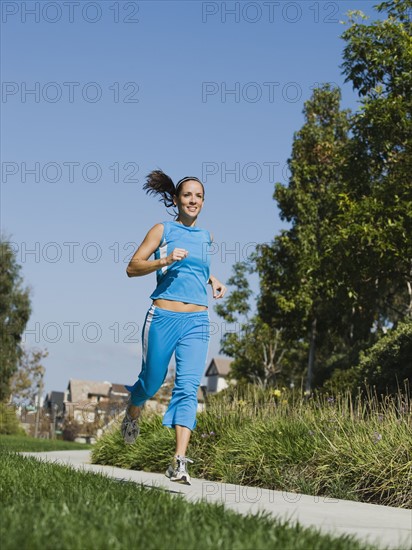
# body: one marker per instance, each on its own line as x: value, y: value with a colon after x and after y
x: 184, y: 280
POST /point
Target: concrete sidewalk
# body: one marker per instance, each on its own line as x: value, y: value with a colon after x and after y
x: 382, y: 526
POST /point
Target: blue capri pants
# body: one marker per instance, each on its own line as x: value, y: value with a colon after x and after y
x: 187, y: 335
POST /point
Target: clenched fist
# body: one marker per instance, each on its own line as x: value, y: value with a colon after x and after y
x: 177, y: 255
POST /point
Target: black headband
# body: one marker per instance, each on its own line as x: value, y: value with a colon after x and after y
x: 186, y: 179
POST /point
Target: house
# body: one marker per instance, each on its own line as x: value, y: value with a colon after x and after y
x: 54, y: 403
x: 118, y: 397
x: 119, y: 392
x: 201, y: 398
x: 92, y: 405
x: 217, y: 374
x: 54, y: 406
x: 84, y: 398
x: 28, y: 420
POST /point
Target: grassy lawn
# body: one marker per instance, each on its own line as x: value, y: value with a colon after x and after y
x: 31, y: 444
x: 50, y: 506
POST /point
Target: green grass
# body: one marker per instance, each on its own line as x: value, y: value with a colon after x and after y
x: 31, y: 444
x: 334, y: 447
x: 47, y: 506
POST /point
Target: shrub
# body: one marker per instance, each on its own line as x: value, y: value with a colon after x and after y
x: 342, y: 380
x: 9, y: 423
x: 335, y: 446
x: 71, y: 429
x: 388, y: 363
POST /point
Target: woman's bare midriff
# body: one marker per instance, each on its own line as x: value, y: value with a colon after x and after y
x: 173, y: 305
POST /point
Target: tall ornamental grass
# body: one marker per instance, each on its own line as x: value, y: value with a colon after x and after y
x: 332, y: 446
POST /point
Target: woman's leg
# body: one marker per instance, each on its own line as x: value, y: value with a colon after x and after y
x: 191, y: 354
x: 133, y: 411
x: 182, y: 440
x: 159, y: 335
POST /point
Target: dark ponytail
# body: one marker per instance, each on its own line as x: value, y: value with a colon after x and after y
x: 159, y: 183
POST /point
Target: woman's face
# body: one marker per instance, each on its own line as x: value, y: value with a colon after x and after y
x: 190, y: 199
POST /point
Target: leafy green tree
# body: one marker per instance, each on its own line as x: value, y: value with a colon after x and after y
x: 343, y: 271
x: 24, y: 384
x: 375, y: 217
x: 238, y: 302
x: 386, y: 366
x: 15, y: 310
x: 299, y: 286
x: 341, y: 274
x: 257, y: 348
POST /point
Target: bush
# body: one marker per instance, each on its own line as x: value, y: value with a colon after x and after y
x: 335, y: 446
x: 9, y: 424
x: 388, y: 363
x: 71, y: 429
x: 342, y: 380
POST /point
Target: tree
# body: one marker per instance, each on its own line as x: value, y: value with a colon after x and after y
x: 25, y: 382
x: 388, y: 364
x: 299, y: 287
x: 343, y: 272
x: 257, y: 348
x: 375, y: 225
x: 15, y: 310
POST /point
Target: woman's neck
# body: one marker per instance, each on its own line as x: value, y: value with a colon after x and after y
x: 188, y: 223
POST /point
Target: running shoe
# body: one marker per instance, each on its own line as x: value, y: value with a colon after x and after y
x: 177, y: 470
x: 130, y: 429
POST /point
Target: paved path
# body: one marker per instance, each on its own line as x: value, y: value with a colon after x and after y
x: 382, y: 526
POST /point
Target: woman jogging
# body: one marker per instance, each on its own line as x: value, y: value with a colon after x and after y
x: 178, y: 319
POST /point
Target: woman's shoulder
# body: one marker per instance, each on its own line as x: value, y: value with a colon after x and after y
x: 163, y: 229
x: 157, y: 228
x: 157, y: 231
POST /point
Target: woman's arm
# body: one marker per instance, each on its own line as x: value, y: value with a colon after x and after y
x: 140, y: 264
x: 218, y: 288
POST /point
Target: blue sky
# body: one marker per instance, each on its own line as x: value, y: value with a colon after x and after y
x: 95, y: 95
